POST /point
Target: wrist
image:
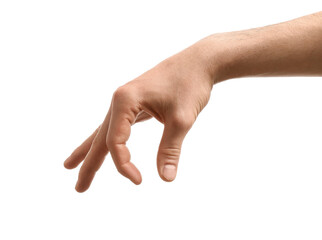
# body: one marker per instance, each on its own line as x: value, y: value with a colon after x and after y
x: 253, y: 52
x: 219, y: 54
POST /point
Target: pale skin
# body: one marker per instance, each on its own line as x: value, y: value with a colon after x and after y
x: 177, y: 89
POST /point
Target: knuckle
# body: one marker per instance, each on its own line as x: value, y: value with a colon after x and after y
x: 182, y: 121
x: 170, y: 154
x: 121, y: 93
x: 120, y: 169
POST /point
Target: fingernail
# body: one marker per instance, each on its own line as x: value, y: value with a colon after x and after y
x: 169, y: 172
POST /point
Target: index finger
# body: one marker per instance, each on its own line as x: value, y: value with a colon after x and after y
x: 123, y: 115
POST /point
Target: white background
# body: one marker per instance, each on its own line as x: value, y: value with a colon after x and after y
x: 251, y: 166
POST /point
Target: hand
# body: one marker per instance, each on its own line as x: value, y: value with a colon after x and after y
x: 177, y: 89
x: 174, y: 92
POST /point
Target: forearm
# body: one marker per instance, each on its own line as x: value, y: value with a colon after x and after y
x: 292, y: 48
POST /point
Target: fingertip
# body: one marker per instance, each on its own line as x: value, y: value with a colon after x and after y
x: 80, y: 188
x: 68, y: 164
x: 134, y: 176
x: 166, y: 180
x: 137, y: 180
x: 84, y: 181
x: 169, y: 172
x: 131, y: 172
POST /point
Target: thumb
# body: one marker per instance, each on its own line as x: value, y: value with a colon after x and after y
x: 170, y: 147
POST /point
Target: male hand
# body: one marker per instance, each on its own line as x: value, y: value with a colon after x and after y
x: 177, y: 89
x: 174, y: 92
